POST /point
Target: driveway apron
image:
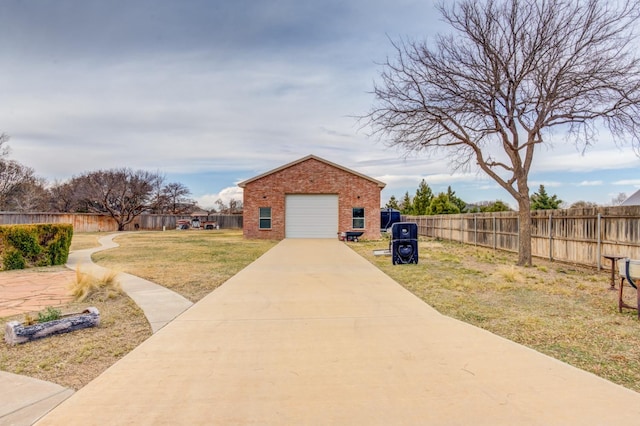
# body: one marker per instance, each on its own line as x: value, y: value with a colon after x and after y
x: 312, y: 333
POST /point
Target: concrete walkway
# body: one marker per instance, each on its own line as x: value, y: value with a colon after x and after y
x: 159, y: 304
x: 311, y: 333
x: 23, y: 399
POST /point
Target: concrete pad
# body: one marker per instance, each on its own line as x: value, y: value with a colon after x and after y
x: 311, y: 333
x: 23, y: 400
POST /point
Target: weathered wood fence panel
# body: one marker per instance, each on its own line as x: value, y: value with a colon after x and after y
x: 580, y: 236
x: 87, y: 222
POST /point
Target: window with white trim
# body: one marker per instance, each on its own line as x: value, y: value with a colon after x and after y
x: 357, y: 220
x: 265, y: 218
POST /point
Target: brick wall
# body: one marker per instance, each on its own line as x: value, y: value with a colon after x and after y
x: 310, y: 176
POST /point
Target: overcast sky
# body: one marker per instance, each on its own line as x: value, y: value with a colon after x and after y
x: 211, y: 93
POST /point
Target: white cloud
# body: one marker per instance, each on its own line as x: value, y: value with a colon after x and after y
x: 547, y: 184
x: 591, y: 183
x: 632, y: 182
x: 208, y: 201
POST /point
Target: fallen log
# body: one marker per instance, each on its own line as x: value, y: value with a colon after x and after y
x: 16, y: 332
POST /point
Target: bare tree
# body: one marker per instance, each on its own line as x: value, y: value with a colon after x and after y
x: 581, y: 204
x: 30, y: 196
x: 14, y: 177
x: 177, y: 199
x: 234, y: 206
x: 4, y: 148
x: 511, y: 71
x: 619, y: 199
x: 122, y: 193
x: 63, y: 197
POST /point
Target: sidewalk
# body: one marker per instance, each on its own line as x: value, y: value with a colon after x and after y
x: 311, y: 333
x: 159, y: 304
x: 23, y: 399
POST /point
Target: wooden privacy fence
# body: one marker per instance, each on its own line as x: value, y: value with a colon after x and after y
x: 580, y: 236
x: 87, y: 222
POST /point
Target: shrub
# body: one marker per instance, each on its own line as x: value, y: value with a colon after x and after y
x: 23, y: 246
x: 13, y: 259
x: 88, y: 286
x: 49, y: 314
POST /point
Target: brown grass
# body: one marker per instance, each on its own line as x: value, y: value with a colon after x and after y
x: 99, y: 288
x: 561, y: 310
x: 74, y: 359
x: 86, y: 240
x: 192, y: 263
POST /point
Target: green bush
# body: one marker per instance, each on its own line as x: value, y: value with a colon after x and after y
x: 13, y: 259
x: 24, y: 246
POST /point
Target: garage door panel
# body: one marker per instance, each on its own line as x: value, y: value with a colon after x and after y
x: 311, y: 216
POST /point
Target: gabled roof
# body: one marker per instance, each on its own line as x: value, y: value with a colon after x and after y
x: 633, y: 200
x: 309, y: 157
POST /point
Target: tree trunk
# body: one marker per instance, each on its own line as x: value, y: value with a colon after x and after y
x: 524, y: 231
x: 16, y: 332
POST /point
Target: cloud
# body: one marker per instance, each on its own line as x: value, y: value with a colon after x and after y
x: 628, y: 182
x: 208, y: 201
x: 590, y: 183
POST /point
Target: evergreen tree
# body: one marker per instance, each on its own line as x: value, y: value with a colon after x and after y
x: 423, y: 198
x: 462, y: 206
x: 392, y: 203
x: 541, y: 201
x: 442, y: 205
x: 497, y: 206
x: 406, y: 207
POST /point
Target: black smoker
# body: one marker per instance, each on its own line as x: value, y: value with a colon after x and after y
x: 404, y: 243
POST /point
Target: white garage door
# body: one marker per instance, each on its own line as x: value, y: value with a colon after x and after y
x: 311, y: 216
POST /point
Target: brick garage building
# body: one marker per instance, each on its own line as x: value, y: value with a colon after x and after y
x: 311, y: 198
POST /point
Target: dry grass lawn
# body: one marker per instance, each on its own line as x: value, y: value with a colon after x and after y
x: 191, y: 263
x: 74, y: 359
x: 561, y: 310
x: 564, y: 311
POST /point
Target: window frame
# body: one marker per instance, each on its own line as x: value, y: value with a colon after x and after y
x: 359, y: 219
x: 262, y: 218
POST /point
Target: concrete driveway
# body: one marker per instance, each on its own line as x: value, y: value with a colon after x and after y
x: 311, y: 333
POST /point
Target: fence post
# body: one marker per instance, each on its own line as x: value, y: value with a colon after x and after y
x: 475, y: 230
x: 550, y: 236
x: 599, y: 243
x: 495, y: 242
x: 518, y: 233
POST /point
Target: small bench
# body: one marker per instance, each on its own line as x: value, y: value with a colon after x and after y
x: 629, y: 270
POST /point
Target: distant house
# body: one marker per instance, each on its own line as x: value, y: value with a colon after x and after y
x: 311, y: 198
x: 633, y: 200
